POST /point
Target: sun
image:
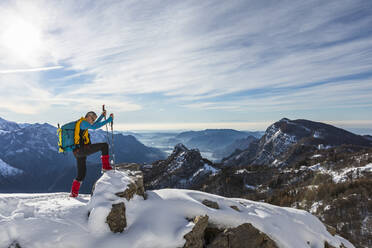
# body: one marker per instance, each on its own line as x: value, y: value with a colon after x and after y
x: 22, y: 39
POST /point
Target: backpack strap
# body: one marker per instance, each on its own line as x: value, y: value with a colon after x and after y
x: 77, y: 136
x: 59, y: 134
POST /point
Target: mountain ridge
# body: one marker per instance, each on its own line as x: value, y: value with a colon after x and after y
x: 282, y: 135
x: 33, y: 149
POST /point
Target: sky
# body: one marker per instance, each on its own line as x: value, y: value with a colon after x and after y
x: 162, y: 65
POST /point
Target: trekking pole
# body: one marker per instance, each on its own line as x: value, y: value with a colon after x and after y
x: 112, y: 146
x: 107, y: 132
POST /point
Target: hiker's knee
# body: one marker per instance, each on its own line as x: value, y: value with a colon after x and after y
x: 105, y: 149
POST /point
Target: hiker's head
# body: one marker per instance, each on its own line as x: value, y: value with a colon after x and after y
x: 91, y: 117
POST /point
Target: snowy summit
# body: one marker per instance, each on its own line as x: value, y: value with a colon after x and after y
x: 120, y: 214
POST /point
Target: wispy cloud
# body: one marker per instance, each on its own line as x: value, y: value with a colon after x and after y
x: 213, y: 61
x: 31, y: 69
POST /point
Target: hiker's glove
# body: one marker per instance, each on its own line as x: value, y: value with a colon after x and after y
x: 112, y: 116
x: 104, y: 113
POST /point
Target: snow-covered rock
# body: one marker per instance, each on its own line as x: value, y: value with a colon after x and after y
x: 162, y: 220
x: 110, y: 195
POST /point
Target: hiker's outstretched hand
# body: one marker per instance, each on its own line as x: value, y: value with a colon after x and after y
x: 104, y: 113
x: 112, y: 116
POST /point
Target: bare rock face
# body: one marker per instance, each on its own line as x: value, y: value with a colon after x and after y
x: 195, y: 238
x: 211, y: 204
x: 206, y: 234
x: 137, y: 176
x: 331, y: 230
x: 235, y: 208
x: 326, y: 245
x: 244, y: 235
x: 116, y: 218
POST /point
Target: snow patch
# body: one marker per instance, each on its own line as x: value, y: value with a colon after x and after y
x: 315, y: 206
x: 317, y: 134
x: 7, y: 170
x: 205, y: 169
x: 240, y: 171
x: 345, y: 174
x: 354, y: 173
x: 214, y: 171
x: 4, y: 132
x: 323, y: 147
x: 251, y: 187
x: 316, y: 156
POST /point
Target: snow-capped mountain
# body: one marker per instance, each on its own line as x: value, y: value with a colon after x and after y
x: 286, y: 139
x: 7, y: 125
x: 184, y: 168
x: 33, y: 149
x: 120, y: 214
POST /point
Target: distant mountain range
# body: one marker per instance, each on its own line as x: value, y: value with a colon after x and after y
x: 213, y: 144
x: 32, y: 149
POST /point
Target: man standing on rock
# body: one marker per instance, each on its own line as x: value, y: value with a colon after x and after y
x: 86, y: 148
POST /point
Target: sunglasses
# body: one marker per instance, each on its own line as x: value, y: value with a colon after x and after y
x: 94, y: 117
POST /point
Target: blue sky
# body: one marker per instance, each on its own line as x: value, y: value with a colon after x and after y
x: 187, y: 64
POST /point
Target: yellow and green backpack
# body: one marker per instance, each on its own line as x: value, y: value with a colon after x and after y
x: 69, y: 136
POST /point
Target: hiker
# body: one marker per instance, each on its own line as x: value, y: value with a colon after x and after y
x: 86, y: 148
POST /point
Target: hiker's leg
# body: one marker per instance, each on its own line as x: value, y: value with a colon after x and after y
x: 81, y: 168
x: 93, y: 148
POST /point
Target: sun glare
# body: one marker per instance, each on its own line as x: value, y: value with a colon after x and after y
x: 22, y: 39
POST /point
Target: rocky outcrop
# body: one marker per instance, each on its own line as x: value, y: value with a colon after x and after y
x: 184, y: 168
x: 327, y: 245
x: 195, y: 238
x: 210, y: 204
x: 244, y: 235
x: 331, y: 229
x: 205, y: 234
x: 235, y: 208
x: 116, y: 219
x: 137, y: 186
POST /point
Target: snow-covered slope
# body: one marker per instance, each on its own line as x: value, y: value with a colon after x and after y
x: 162, y: 220
x: 7, y: 170
x: 8, y: 125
